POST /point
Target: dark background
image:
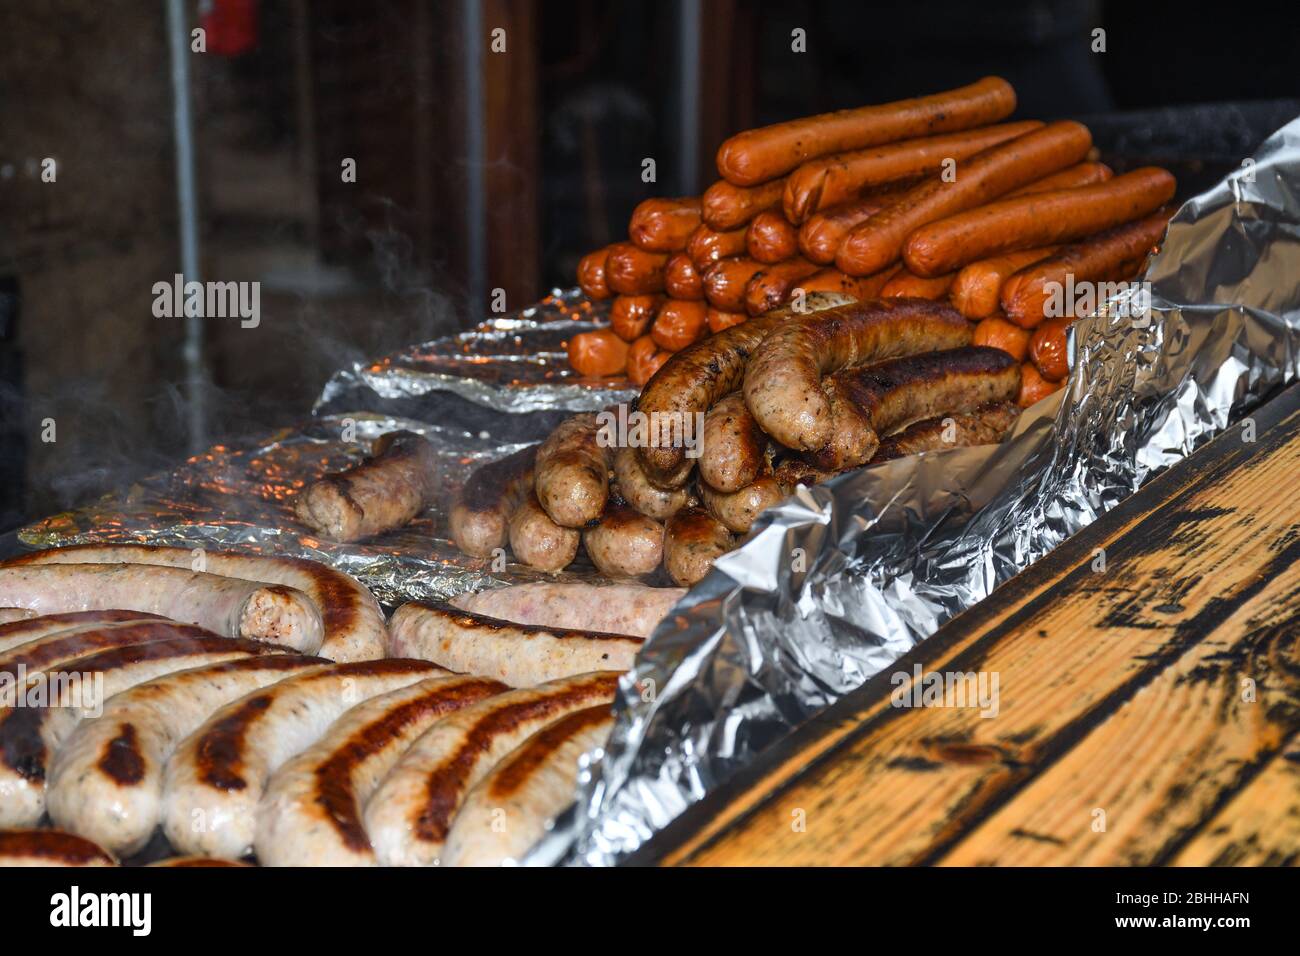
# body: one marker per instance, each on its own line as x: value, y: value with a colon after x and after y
x: 458, y: 195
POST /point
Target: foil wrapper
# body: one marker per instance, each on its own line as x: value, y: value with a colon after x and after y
x: 839, y: 581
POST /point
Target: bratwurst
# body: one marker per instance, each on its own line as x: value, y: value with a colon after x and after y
x: 481, y: 513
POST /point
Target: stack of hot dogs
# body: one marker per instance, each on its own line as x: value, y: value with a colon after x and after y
x: 920, y: 198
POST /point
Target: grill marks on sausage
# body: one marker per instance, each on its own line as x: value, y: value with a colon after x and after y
x: 46, y: 622
x: 52, y: 845
x: 122, y: 761
x: 532, y: 755
x: 56, y: 648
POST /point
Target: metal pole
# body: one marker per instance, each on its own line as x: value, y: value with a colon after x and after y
x: 688, y: 95
x: 475, y: 153
x: 188, y: 207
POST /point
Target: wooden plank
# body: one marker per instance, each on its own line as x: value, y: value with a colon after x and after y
x: 891, y: 786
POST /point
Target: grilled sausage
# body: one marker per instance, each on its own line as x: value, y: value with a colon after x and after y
x: 516, y: 654
x: 1084, y: 174
x: 508, y: 810
x: 664, y: 225
x: 770, y: 287
x: 1049, y: 349
x: 217, y: 774
x: 630, y: 270
x: 591, y: 275
x: 726, y: 206
x: 771, y: 238
x: 179, y: 862
x: 996, y: 332
x: 680, y: 323
x: 697, y: 377
x: 227, y: 606
x: 732, y: 450
x: 354, y: 624
x: 635, y: 488
x: 977, y: 286
x: 382, y: 493
x: 878, y: 242
x: 820, y: 236
x: 718, y: 320
x: 1039, y: 219
x: 682, y: 279
x: 29, y: 735
x: 841, y: 178
x: 986, y: 425
x: 597, y: 354
x: 644, y: 358
x: 833, y: 280
x: 873, y: 400
x: 572, y: 472
x: 49, y: 652
x: 311, y: 811
x: 694, y: 538
x: 905, y: 284
x: 783, y: 380
x: 630, y: 315
x: 538, y: 541
x: 50, y: 848
x: 409, y: 817
x: 738, y: 509
x: 633, y: 609
x: 105, y: 782
x: 1103, y: 257
x: 17, y: 633
x: 1033, y: 387
x: 725, y: 282
x: 480, y: 516
x: 624, y: 543
x: 8, y: 615
x: 707, y: 246
x: 755, y: 156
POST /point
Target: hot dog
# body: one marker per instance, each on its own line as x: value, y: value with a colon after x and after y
x: 630, y: 270
x: 1039, y: 219
x: 572, y: 472
x: 878, y: 242
x: 756, y: 156
x: 480, y: 516
x: 733, y: 446
x: 872, y: 400
x: 591, y: 275
x: 977, y: 286
x: 738, y: 509
x: 644, y: 358
x: 825, y: 182
x: 728, y: 207
x: 635, y: 488
x: 693, y: 540
x: 1049, y: 349
x: 996, y: 332
x: 519, y: 655
x: 707, y: 246
x: 771, y: 238
x: 538, y: 541
x: 664, y: 225
x: 695, y: 378
x: 624, y: 543
x: 611, y: 608
x: 1084, y: 174
x: 597, y: 354
x: 718, y: 320
x: 833, y: 280
x: 905, y: 284
x: 384, y: 492
x: 1103, y: 257
x: 770, y: 287
x: 630, y: 315
x: 724, y: 284
x: 783, y: 380
x: 820, y: 236
x: 1033, y: 387
x: 680, y: 322
x: 681, y: 278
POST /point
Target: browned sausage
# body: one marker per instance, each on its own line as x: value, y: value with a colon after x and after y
x: 538, y: 541
x: 694, y: 538
x: 664, y: 225
x: 825, y: 182
x: 871, y: 400
x: 719, y: 320
x: 1039, y: 219
x: 733, y: 445
x: 918, y: 287
x: 738, y: 509
x: 758, y: 155
x: 878, y: 242
x: 635, y: 488
x: 591, y: 275
x: 1049, y: 349
x: 833, y: 280
x: 996, y: 332
x: 630, y: 315
x: 625, y: 543
x: 681, y: 278
x: 977, y: 286
x: 630, y: 270
x: 770, y: 238
x: 1033, y: 387
x: 724, y: 284
x: 986, y: 425
x: 707, y: 247
x: 1084, y: 174
x: 481, y: 513
x: 783, y: 379
x: 1103, y: 257
x: 770, y: 287
x: 821, y: 235
x: 729, y: 207
x: 572, y: 471
x: 597, y: 354
x: 679, y: 323
x: 644, y: 358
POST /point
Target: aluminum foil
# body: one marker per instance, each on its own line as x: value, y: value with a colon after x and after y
x: 841, y: 580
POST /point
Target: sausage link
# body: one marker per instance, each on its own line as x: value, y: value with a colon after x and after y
x: 878, y: 242
x: 636, y: 489
x: 1033, y: 387
x: 738, y: 509
x: 597, y: 354
x: 821, y: 235
x: 1049, y: 349
x: 1084, y: 174
x: 783, y: 380
x: 719, y: 320
x: 630, y: 270
x: 644, y: 358
x: 831, y: 180
x: 15, y: 634
x: 630, y: 315
x: 707, y: 246
x: 1039, y: 219
x: 664, y: 225
x: 591, y: 275
x: 680, y: 322
x: 634, y: 609
x: 771, y: 238
x: 976, y: 289
x: 833, y: 280
x: 624, y: 543
x: 758, y: 155
x: 538, y: 541
x: 572, y: 472
x: 481, y: 513
x: 770, y: 287
x: 50, y: 848
x: 693, y: 539
x: 996, y: 332
x: 986, y: 425
x: 724, y: 284
x: 733, y: 447
x: 727, y: 207
x: 905, y: 284
x: 681, y: 278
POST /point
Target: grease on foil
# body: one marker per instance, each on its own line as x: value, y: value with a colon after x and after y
x: 891, y: 553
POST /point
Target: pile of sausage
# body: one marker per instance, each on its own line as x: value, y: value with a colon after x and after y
x: 932, y: 197
x: 787, y: 397
x: 118, y: 724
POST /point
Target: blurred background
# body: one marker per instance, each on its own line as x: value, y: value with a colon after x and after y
x: 483, y: 161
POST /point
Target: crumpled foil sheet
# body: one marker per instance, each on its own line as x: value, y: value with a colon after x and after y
x: 841, y: 580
